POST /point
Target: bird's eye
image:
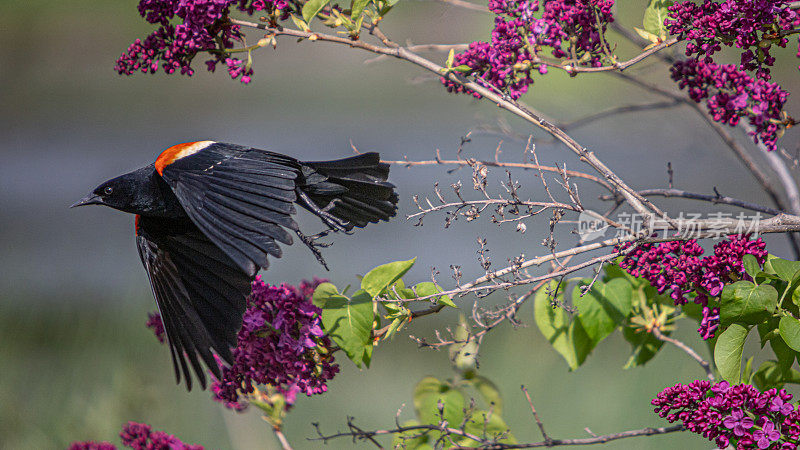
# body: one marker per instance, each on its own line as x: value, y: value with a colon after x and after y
x: 108, y: 190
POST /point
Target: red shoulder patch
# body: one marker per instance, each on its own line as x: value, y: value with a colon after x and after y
x: 136, y: 224
x: 177, y: 152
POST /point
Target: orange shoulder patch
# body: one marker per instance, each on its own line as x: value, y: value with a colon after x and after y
x: 177, y: 152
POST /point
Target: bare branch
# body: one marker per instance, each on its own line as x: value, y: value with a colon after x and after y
x: 358, y: 434
x: 716, y: 199
x: 686, y: 349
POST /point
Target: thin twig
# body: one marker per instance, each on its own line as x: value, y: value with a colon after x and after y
x: 490, y: 442
x: 716, y: 199
x: 536, y: 415
x: 281, y: 438
x: 527, y: 166
x: 686, y: 349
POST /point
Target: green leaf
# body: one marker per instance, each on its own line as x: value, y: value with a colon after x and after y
x: 322, y: 293
x: 427, y: 396
x: 646, y: 35
x: 489, y: 392
x: 728, y: 352
x: 767, y: 330
x: 412, y: 439
x: 604, y: 307
x: 394, y: 327
x: 381, y: 277
x: 784, y: 354
x: 644, y: 346
x: 489, y: 426
x: 426, y: 386
x: 747, y: 373
x: 747, y: 303
x: 771, y: 375
x: 567, y: 337
x: 655, y: 15
x: 784, y: 269
x: 751, y: 266
x: 464, y: 356
x: 789, y: 328
x: 312, y: 7
x: 358, y: 8
x: 450, y: 58
x: 299, y: 23
x: 349, y: 323
x: 427, y: 288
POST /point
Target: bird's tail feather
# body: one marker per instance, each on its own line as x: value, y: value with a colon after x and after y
x: 353, y: 189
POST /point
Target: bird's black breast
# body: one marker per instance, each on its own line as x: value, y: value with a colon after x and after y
x: 155, y: 198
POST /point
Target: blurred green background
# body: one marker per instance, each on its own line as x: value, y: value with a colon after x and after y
x: 76, y: 361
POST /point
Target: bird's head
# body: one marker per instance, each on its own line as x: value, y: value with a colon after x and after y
x: 120, y: 193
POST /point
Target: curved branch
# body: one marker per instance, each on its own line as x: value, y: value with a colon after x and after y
x: 686, y: 349
x: 716, y: 199
x: 356, y: 433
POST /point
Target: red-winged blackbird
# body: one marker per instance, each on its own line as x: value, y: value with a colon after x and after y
x: 209, y: 214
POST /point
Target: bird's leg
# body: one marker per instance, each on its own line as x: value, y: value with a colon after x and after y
x: 333, y: 222
x: 314, y: 246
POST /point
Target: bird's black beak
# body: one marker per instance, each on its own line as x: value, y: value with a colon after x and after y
x: 91, y: 199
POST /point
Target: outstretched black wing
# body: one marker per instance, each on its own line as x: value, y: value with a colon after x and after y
x: 200, y: 291
x: 240, y: 197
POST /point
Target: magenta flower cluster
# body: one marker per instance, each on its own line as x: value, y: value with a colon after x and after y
x: 567, y: 27
x: 751, y: 25
x: 203, y: 27
x: 155, y: 323
x: 281, y: 344
x: 741, y: 416
x: 139, y: 436
x: 731, y: 94
x: 679, y: 267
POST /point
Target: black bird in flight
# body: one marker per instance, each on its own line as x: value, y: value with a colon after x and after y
x: 208, y: 216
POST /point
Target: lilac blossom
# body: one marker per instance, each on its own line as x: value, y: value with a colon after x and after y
x: 741, y: 416
x: 508, y: 61
x: 189, y: 27
x: 281, y: 344
x: 731, y: 94
x: 92, y: 445
x: 753, y: 26
x: 738, y: 422
x: 139, y: 436
x: 155, y: 323
x: 766, y: 435
x: 680, y: 268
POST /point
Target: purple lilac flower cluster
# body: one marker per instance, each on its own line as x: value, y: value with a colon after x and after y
x: 155, y: 323
x: 203, y: 27
x: 751, y: 25
x: 281, y: 344
x: 139, y: 436
x: 732, y: 94
x: 678, y: 266
x: 741, y: 416
x: 92, y: 445
x: 568, y: 27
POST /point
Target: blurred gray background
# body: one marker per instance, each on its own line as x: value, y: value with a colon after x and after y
x: 76, y: 361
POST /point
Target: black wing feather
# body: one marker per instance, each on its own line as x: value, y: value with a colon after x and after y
x: 200, y: 292
x: 241, y: 198
x: 353, y: 189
